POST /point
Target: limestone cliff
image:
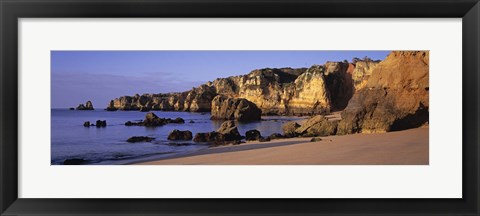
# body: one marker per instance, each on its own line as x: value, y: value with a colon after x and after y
x: 395, y: 97
x: 276, y: 91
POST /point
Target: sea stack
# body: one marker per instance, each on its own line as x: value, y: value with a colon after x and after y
x: 88, y: 106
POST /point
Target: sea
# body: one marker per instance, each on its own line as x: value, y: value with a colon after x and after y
x: 108, y: 145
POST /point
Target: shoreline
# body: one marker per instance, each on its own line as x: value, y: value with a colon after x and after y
x: 406, y: 147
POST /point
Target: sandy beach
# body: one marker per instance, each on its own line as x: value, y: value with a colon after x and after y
x: 408, y: 147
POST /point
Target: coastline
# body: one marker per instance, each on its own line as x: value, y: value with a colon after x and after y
x: 407, y: 147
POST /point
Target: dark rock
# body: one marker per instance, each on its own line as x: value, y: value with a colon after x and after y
x: 209, y: 137
x: 191, y: 121
x: 139, y: 139
x: 152, y: 120
x: 289, y: 129
x: 276, y: 136
x: 264, y: 139
x: 101, y: 123
x: 229, y: 130
x: 176, y: 120
x: 225, y: 108
x: 144, y: 109
x: 316, y: 139
x: 88, y: 106
x: 252, y: 135
x: 180, y: 135
x: 71, y: 108
x: 74, y: 161
x: 86, y: 124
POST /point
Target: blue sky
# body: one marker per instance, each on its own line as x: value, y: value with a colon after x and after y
x: 99, y: 76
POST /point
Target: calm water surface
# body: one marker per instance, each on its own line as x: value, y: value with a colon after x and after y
x: 108, y: 145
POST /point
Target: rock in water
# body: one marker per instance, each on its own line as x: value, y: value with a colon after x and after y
x: 87, y: 106
x: 71, y: 108
x: 289, y: 128
x: 100, y: 123
x: 317, y: 126
x: 229, y: 130
x: 209, y: 137
x: 227, y: 133
x: 111, y: 106
x: 135, y: 139
x: 252, y: 135
x: 86, y: 124
x: 234, y: 109
x: 180, y: 135
x: 395, y: 97
x: 152, y: 120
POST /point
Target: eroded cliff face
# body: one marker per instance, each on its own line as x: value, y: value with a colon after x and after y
x: 284, y: 91
x: 395, y: 97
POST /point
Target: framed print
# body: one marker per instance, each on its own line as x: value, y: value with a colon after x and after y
x: 239, y: 108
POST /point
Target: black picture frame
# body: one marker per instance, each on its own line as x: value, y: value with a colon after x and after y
x: 12, y: 10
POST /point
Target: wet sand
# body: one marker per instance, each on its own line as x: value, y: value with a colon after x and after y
x: 408, y: 147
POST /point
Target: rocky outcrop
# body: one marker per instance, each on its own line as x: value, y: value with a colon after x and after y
x: 289, y: 128
x: 239, y: 109
x: 362, y: 70
x: 135, y: 139
x: 88, y: 106
x: 152, y: 120
x: 229, y: 130
x: 180, y: 135
x: 317, y: 126
x: 395, y: 96
x: 111, y: 106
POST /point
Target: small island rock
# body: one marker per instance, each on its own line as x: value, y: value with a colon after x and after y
x: 180, y: 135
x: 135, y: 139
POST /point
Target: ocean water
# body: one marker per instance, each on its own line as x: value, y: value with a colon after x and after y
x: 71, y: 140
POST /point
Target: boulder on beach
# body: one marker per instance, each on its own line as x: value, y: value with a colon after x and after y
x: 252, y: 135
x: 264, y: 139
x: 239, y: 109
x: 276, y: 136
x: 316, y: 139
x: 135, y: 139
x: 101, y: 123
x: 180, y: 135
x: 289, y: 128
x: 317, y: 126
x: 87, y: 106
